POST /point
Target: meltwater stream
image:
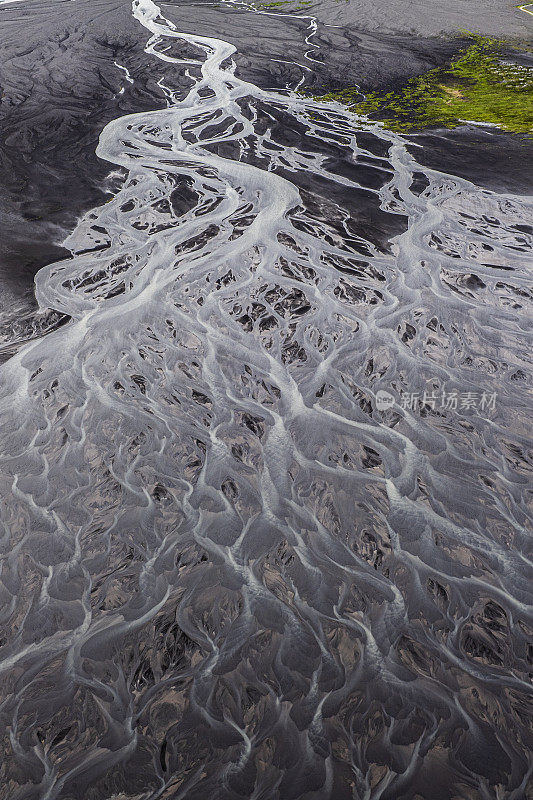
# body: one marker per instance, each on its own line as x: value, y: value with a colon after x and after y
x: 227, y: 573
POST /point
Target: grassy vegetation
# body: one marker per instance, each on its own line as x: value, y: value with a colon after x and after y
x: 477, y: 85
x: 285, y: 5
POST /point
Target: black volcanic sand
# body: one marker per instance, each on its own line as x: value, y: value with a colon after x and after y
x: 488, y: 157
x: 59, y: 88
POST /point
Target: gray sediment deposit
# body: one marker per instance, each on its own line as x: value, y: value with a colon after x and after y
x: 499, y: 18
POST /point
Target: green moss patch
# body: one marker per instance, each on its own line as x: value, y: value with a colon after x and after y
x: 284, y: 5
x: 477, y: 86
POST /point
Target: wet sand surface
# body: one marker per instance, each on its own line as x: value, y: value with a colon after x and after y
x: 227, y: 571
x: 487, y: 157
